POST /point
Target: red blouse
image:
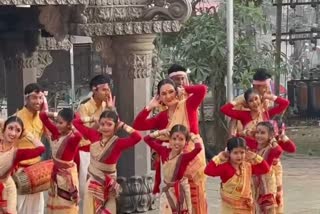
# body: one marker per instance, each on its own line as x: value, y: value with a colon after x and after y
x: 25, y: 154
x: 274, y: 153
x: 95, y: 137
x: 73, y: 141
x: 160, y: 121
x: 164, y: 153
x: 245, y: 116
x: 226, y: 171
x: 287, y: 146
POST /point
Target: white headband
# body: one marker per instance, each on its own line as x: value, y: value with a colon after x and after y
x: 100, y: 85
x: 178, y: 73
x: 34, y: 93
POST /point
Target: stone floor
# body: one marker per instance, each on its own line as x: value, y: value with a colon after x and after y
x: 301, y: 185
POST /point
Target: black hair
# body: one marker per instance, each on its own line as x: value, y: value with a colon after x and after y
x: 236, y: 142
x: 279, y: 120
x: 175, y: 68
x: 182, y: 129
x: 166, y: 81
x: 261, y: 74
x: 110, y: 114
x: 32, y: 87
x: 247, y: 93
x: 66, y: 114
x: 268, y: 125
x: 98, y: 80
x: 11, y: 120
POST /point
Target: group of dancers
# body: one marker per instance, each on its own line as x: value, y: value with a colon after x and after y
x: 85, y: 150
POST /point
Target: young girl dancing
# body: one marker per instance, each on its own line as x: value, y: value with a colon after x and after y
x: 63, y: 194
x: 175, y: 197
x: 265, y: 188
x: 235, y: 167
x: 105, y: 151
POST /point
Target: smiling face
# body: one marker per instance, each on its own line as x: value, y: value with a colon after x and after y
x: 254, y: 101
x: 237, y: 155
x: 62, y: 125
x: 34, y: 101
x: 168, y: 95
x: 262, y: 135
x: 107, y: 127
x: 177, y: 141
x: 12, y: 132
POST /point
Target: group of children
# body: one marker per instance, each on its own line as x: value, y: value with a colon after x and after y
x: 249, y: 168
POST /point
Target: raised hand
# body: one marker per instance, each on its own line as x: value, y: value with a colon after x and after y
x: 155, y: 102
x: 120, y: 125
x: 111, y: 101
x: 250, y: 155
x: 164, y: 132
x: 224, y: 156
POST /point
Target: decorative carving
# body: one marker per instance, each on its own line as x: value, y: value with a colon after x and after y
x: 168, y: 10
x: 44, y: 59
x: 43, y: 2
x: 55, y: 19
x: 124, y: 28
x: 103, y: 45
x: 30, y: 62
x: 39, y: 61
x: 49, y: 43
x: 103, y: 14
x: 136, y: 195
x: 140, y: 65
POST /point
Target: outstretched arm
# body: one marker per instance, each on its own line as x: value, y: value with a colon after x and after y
x: 91, y: 134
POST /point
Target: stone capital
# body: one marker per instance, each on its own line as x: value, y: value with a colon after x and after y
x: 134, y: 55
x: 51, y: 44
x: 114, y: 17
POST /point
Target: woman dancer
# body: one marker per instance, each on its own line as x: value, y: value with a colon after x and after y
x: 63, y: 194
x: 105, y: 150
x: 256, y: 114
x: 10, y: 156
x: 182, y: 112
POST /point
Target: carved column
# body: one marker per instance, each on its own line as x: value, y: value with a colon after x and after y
x: 131, y: 75
x: 13, y: 56
x: 14, y: 80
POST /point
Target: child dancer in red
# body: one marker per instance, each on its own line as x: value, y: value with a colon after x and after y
x: 176, y: 196
x: 235, y: 167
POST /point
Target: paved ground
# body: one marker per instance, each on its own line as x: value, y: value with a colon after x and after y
x: 301, y: 186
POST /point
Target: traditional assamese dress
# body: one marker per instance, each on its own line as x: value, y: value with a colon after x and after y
x: 32, y: 124
x: 235, y: 192
x: 287, y: 145
x: 250, y: 123
x: 176, y: 196
x: 8, y: 160
x: 87, y: 109
x: 64, y: 191
x: 186, y: 114
x: 264, y: 186
x: 102, y: 188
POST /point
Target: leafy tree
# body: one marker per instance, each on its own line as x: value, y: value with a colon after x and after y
x: 201, y: 47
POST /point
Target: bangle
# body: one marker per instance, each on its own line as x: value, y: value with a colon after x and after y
x: 156, y: 133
